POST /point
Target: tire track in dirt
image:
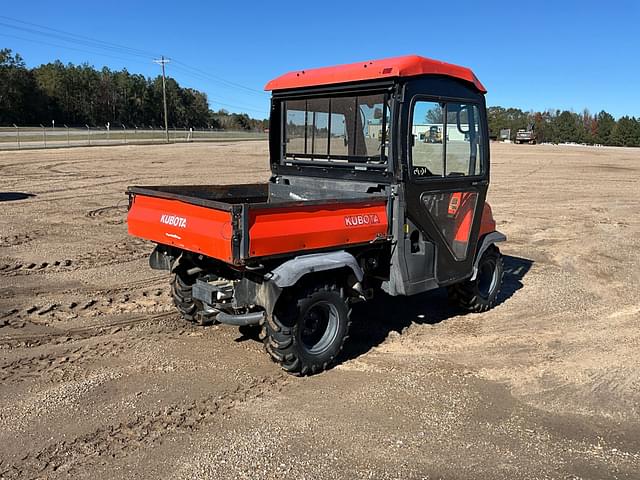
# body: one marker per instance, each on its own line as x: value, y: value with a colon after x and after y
x: 19, y: 239
x: 121, y: 252
x: 79, y: 187
x: 128, y: 297
x: 67, y: 335
x: 146, y: 430
x: 108, y: 302
x: 69, y: 363
x: 62, y: 366
x: 111, y: 215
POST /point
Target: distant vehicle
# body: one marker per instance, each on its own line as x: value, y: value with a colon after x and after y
x: 434, y: 136
x: 526, y: 136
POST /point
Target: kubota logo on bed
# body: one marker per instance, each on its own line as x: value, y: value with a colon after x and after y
x: 361, y: 219
x: 173, y: 220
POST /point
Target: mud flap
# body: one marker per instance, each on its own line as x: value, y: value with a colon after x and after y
x: 161, y: 259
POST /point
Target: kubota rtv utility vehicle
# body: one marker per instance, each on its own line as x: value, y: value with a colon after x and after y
x: 356, y: 204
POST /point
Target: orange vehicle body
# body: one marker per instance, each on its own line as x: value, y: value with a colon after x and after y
x: 272, y: 231
x: 461, y: 207
x: 405, y: 66
x: 206, y: 230
x: 277, y: 231
x: 282, y: 230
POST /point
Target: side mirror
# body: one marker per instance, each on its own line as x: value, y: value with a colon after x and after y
x: 459, y: 122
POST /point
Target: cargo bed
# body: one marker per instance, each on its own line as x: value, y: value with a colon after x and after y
x: 235, y: 223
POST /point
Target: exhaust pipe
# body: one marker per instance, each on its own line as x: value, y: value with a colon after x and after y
x: 240, y: 320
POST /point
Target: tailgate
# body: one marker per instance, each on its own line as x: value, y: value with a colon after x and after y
x: 190, y: 227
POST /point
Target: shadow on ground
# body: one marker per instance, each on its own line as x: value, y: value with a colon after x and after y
x: 12, y: 196
x: 374, y: 320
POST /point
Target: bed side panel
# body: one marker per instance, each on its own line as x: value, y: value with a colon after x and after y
x: 189, y: 227
x: 275, y: 231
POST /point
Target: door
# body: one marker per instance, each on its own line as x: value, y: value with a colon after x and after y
x: 446, y: 181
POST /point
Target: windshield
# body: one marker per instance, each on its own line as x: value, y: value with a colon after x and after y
x: 345, y: 129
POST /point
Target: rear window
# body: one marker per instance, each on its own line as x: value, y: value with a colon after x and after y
x: 341, y: 128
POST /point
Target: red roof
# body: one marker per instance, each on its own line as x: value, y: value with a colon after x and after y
x: 407, y: 66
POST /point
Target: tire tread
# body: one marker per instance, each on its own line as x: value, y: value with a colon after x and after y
x: 280, y: 328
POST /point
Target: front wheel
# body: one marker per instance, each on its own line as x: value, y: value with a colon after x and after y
x: 481, y: 294
x: 308, y: 329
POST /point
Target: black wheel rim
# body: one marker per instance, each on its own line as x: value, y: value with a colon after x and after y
x: 319, y: 327
x: 487, y: 279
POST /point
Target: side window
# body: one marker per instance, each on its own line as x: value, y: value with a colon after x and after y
x: 427, y: 148
x: 446, y: 140
x: 463, y: 140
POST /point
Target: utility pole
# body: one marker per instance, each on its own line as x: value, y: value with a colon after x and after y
x: 162, y: 62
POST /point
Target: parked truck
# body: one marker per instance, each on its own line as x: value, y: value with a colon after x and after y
x: 526, y: 135
x: 343, y: 216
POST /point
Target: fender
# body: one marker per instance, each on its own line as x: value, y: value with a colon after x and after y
x: 488, y: 240
x: 291, y: 271
x: 288, y: 274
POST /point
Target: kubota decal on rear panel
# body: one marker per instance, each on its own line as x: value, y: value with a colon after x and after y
x: 182, y: 225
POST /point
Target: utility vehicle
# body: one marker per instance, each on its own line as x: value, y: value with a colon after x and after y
x: 356, y: 204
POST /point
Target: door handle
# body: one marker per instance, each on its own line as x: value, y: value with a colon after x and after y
x: 480, y: 183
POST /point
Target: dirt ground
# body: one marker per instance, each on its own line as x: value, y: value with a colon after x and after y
x: 99, y: 378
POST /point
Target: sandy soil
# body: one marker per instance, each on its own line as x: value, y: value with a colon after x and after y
x: 101, y: 379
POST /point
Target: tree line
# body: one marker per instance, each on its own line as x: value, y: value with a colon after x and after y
x: 76, y: 95
x: 555, y: 126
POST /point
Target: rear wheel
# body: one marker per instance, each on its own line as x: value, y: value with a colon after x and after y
x: 181, y: 285
x: 308, y: 329
x: 481, y: 294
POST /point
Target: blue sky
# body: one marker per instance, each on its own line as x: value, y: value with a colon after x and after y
x: 531, y: 55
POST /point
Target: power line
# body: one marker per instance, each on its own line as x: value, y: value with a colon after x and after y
x: 134, y: 54
x: 212, y: 99
x: 73, y: 41
x: 162, y: 61
x: 116, y: 48
x: 66, y: 47
x: 239, y: 107
x: 220, y: 79
x: 214, y: 81
x: 135, y: 51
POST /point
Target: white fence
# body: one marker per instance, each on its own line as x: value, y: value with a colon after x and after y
x: 17, y: 137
